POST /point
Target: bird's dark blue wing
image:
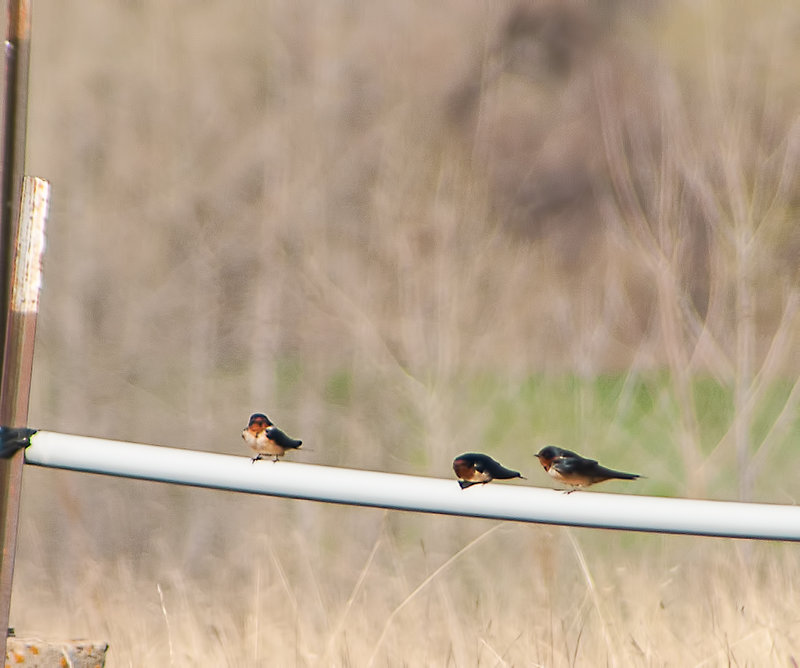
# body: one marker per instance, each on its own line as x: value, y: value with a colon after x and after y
x: 575, y: 464
x: 481, y: 464
x: 563, y: 452
x: 276, y: 435
x: 499, y: 471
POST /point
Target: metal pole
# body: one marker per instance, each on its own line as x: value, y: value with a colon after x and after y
x: 500, y: 501
x: 17, y: 360
x: 16, y: 329
x: 13, y: 123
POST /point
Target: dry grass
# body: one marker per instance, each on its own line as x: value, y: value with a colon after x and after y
x: 406, y: 232
x: 353, y: 587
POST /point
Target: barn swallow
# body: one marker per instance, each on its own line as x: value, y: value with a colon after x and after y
x: 264, y: 438
x: 475, y: 469
x: 572, y: 469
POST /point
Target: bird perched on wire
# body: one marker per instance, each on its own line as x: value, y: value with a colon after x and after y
x: 571, y: 469
x: 473, y: 468
x: 264, y: 438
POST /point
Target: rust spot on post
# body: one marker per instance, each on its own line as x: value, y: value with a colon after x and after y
x: 19, y: 19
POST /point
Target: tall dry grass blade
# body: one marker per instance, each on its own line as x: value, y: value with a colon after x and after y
x: 257, y: 615
x: 723, y: 655
x: 424, y: 584
x: 593, y: 591
x: 499, y: 660
x: 166, y: 621
x: 355, y: 592
x: 287, y: 586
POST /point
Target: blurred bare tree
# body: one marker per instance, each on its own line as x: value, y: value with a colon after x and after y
x: 285, y: 205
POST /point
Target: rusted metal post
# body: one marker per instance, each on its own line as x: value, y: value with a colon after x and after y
x: 16, y: 326
x: 15, y: 383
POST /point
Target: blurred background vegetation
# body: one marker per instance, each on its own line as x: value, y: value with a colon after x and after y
x: 407, y: 231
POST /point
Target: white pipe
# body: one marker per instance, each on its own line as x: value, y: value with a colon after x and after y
x: 497, y: 500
